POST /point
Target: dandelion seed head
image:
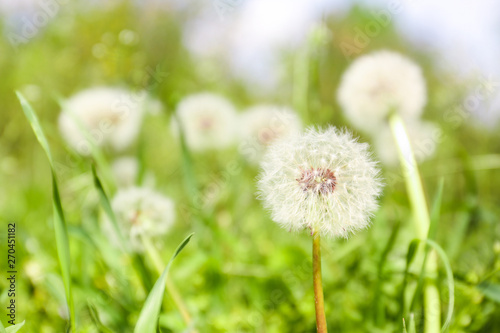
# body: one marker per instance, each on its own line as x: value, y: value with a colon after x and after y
x: 142, y: 211
x: 323, y: 180
x: 261, y: 125
x: 102, y: 116
x: 208, y: 121
x: 377, y: 83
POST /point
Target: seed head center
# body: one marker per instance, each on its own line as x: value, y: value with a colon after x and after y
x: 318, y: 181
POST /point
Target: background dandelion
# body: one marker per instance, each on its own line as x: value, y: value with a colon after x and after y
x: 208, y: 121
x: 142, y: 212
x: 379, y: 83
x: 100, y: 116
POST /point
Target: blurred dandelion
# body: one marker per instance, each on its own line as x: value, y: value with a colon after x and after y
x: 322, y: 180
x: 208, y: 121
x: 100, y: 116
x: 378, y: 83
x: 261, y: 125
x: 142, y: 212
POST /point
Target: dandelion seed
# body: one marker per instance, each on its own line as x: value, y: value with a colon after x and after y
x: 261, y: 125
x: 208, y: 121
x: 377, y: 83
x: 101, y: 116
x: 142, y: 211
x: 320, y: 180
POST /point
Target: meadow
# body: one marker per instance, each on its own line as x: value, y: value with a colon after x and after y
x: 86, y: 263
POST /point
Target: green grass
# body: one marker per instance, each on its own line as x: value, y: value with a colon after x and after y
x: 243, y: 273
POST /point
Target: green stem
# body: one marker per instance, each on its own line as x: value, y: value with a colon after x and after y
x: 318, y: 286
x: 171, y: 288
x: 421, y: 217
x: 411, y: 176
x: 432, y: 308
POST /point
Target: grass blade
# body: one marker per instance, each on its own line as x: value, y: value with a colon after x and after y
x: 35, y: 124
x: 490, y: 290
x: 14, y: 328
x: 187, y: 162
x: 60, y: 228
x: 436, y: 210
x: 378, y: 308
x: 150, y: 312
x: 106, y: 205
x: 97, y: 321
x: 62, y: 243
x: 412, y: 250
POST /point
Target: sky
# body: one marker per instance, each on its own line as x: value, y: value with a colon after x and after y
x: 465, y: 33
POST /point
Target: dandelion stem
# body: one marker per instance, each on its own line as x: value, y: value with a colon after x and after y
x: 318, y: 286
x: 421, y: 217
x: 171, y: 288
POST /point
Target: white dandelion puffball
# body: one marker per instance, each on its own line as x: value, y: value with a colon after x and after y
x: 377, y: 83
x: 261, y: 125
x: 142, y: 211
x: 323, y: 180
x: 208, y: 121
x: 102, y: 116
x: 424, y: 137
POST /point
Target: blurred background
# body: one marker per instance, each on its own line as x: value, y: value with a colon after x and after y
x: 241, y: 273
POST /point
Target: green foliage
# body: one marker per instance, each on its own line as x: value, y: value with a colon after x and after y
x: 11, y: 329
x: 61, y: 232
x: 150, y: 312
x: 243, y: 274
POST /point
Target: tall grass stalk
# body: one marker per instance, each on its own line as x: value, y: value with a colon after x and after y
x: 60, y: 227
